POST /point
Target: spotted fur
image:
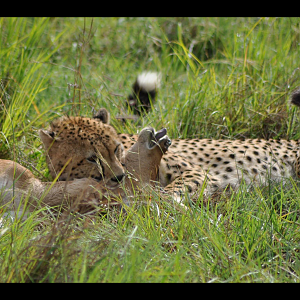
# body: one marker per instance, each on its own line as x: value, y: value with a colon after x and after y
x: 190, y: 165
x: 222, y: 164
x: 78, y: 147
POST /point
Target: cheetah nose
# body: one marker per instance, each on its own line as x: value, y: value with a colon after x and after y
x: 118, y: 178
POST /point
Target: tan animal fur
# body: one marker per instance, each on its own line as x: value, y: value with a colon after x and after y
x: 141, y: 161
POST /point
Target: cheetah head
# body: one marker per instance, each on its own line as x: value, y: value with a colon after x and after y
x: 79, y: 147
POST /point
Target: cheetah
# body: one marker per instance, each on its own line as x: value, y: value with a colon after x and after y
x: 195, y: 165
x: 190, y: 165
x: 214, y: 166
x: 141, y: 163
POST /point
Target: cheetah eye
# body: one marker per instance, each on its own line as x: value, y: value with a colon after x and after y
x: 92, y: 159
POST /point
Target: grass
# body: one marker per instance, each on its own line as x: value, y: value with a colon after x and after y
x: 222, y: 78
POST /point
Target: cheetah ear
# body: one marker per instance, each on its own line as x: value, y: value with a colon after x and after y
x: 47, y: 137
x: 103, y: 116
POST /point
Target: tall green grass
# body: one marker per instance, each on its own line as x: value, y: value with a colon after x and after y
x: 221, y: 78
x: 23, y: 77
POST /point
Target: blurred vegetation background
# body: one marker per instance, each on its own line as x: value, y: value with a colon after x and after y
x: 217, y: 73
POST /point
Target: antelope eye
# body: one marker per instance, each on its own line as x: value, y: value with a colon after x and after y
x: 92, y: 159
x: 117, y: 148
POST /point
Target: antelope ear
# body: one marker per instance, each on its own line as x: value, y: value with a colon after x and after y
x: 103, y: 116
x: 47, y: 137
